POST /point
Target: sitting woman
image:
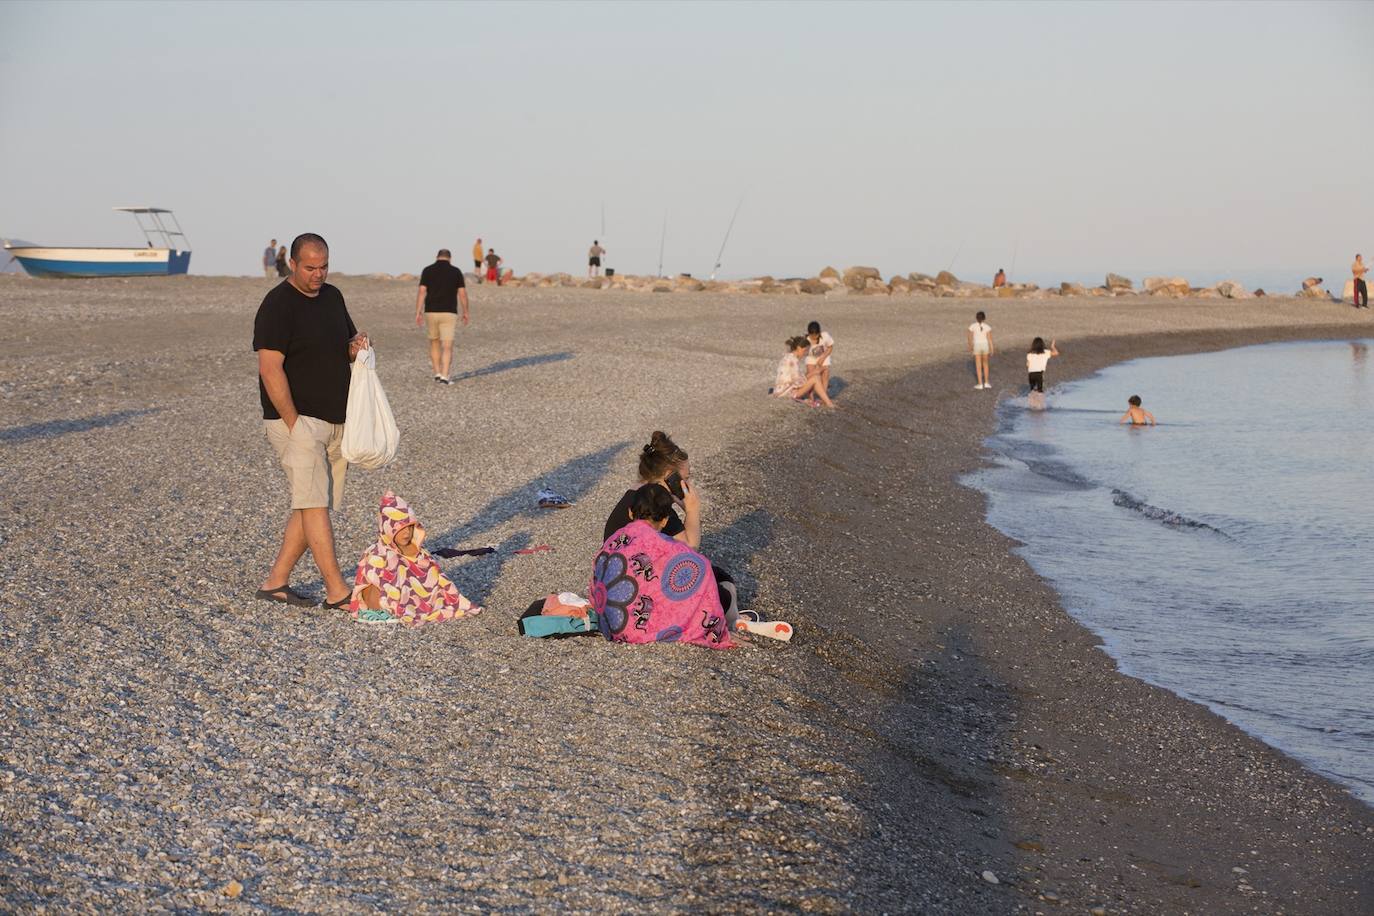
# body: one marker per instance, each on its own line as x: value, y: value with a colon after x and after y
x: 649, y: 587
x: 398, y: 581
x: 791, y: 381
x: 664, y: 465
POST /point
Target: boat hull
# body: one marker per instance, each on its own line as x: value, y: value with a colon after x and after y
x: 101, y: 262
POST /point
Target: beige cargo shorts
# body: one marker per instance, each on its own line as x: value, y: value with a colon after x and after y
x: 312, y: 455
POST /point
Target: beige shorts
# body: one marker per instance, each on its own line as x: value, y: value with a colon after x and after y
x: 312, y: 456
x: 441, y: 324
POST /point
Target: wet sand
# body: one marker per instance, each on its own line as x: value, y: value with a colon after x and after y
x: 167, y: 742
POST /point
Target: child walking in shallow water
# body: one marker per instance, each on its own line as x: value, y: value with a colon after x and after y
x: 1137, y: 415
x: 980, y: 345
x: 1036, y: 361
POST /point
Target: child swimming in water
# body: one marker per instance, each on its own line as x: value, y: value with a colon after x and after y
x: 1137, y: 415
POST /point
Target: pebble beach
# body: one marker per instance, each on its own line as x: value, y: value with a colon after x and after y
x: 939, y: 736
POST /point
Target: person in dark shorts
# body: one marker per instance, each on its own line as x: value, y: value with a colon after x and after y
x: 305, y: 341
x: 1036, y: 361
x: 1361, y: 291
x: 442, y: 290
x: 594, y: 259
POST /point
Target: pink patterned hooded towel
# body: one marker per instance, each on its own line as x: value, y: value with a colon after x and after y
x: 647, y: 587
x: 410, y: 588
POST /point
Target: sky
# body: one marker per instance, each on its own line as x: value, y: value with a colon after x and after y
x: 1059, y: 141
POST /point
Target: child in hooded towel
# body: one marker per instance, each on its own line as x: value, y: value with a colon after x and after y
x: 398, y: 578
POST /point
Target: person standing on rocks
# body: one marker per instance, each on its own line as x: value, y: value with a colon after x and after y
x: 269, y: 260
x: 1361, y: 295
x: 1000, y: 280
x: 305, y: 341
x: 442, y: 289
x: 594, y: 259
x: 493, y: 267
x: 477, y: 260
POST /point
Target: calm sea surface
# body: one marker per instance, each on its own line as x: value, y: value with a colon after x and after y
x: 1227, y: 554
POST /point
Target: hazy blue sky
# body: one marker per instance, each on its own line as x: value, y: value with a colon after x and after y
x: 1076, y: 138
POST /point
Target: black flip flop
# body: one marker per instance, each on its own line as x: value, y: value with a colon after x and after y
x: 340, y: 605
x: 283, y: 595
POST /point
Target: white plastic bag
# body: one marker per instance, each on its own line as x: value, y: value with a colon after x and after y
x: 370, y: 435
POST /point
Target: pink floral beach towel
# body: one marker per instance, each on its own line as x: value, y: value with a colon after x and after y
x: 412, y: 589
x: 647, y: 587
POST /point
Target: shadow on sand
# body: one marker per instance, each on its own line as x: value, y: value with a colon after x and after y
x: 508, y: 364
x: 573, y: 479
x: 52, y: 428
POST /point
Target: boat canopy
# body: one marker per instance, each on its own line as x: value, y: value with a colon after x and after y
x: 157, y: 228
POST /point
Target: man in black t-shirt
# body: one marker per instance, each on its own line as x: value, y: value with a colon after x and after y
x: 305, y: 340
x: 442, y: 288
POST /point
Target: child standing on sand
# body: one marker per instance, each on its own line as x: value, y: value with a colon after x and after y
x: 1137, y: 415
x: 1036, y: 361
x: 980, y: 345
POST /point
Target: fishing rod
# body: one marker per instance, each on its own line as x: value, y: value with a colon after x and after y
x: 720, y: 254
x: 957, y: 252
x: 1014, y: 252
x: 663, y: 236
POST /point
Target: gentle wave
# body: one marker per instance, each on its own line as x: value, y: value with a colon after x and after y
x: 1163, y: 516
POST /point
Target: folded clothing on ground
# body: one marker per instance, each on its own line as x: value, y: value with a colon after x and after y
x: 560, y: 615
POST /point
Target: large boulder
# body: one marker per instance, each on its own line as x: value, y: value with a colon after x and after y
x: 920, y: 279
x: 899, y: 284
x: 1313, y: 292
x: 1231, y: 289
x: 873, y: 286
x: 945, y: 278
x: 830, y: 273
x: 814, y: 287
x: 1206, y: 292
x: 1166, y: 286
x: 1072, y: 289
x: 1116, y: 282
x: 856, y: 278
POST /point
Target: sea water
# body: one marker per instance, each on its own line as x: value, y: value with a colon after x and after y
x: 1227, y: 554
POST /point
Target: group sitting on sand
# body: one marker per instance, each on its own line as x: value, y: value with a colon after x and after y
x: 649, y: 582
x: 810, y: 385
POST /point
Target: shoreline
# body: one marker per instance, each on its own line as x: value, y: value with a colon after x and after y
x: 166, y: 735
x: 1060, y: 765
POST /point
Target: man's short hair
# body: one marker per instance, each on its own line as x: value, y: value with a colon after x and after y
x: 304, y: 239
x: 444, y: 254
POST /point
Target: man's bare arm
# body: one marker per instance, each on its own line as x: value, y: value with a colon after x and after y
x: 420, y: 304
x: 271, y: 366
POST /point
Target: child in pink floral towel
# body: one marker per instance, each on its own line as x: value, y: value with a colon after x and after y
x: 648, y: 587
x: 397, y: 580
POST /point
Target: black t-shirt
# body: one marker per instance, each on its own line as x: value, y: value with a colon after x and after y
x: 493, y: 259
x: 314, y: 333
x: 441, y: 281
x: 620, y: 517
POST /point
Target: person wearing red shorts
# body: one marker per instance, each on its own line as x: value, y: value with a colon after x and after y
x: 493, y: 267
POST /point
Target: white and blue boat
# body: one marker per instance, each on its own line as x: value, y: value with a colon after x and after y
x: 158, y: 225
